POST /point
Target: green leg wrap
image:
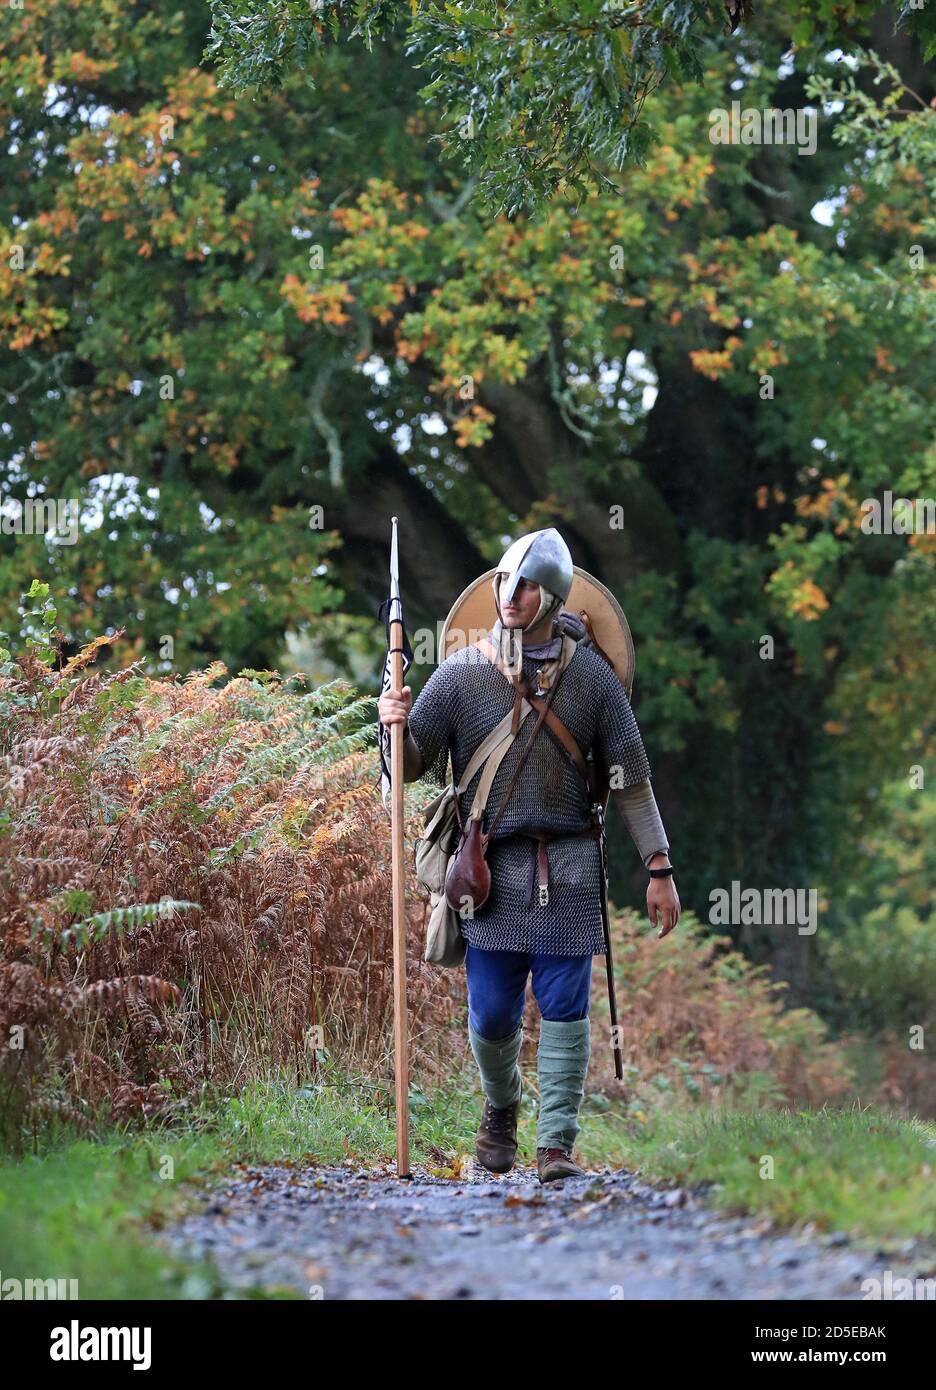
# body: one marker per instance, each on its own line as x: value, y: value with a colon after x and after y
x: 497, y: 1063
x: 562, y: 1061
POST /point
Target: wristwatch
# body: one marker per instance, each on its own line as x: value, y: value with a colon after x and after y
x: 661, y: 873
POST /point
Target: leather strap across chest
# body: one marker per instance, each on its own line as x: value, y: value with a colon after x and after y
x: 554, y: 725
x: 539, y: 866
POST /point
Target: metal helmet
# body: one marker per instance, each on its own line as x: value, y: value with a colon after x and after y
x: 543, y: 558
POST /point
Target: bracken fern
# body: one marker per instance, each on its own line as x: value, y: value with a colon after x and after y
x: 194, y: 888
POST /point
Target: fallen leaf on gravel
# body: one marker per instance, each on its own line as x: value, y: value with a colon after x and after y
x: 759, y: 1228
x: 588, y: 1207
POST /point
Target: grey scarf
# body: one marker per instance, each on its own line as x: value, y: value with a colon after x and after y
x: 539, y: 651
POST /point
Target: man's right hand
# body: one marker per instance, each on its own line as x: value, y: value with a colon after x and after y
x: 394, y: 706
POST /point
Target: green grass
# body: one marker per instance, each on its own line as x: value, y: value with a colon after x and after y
x: 86, y: 1209
x: 864, y: 1172
x: 84, y: 1212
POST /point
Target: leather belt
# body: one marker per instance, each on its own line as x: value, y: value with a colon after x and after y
x: 539, y: 863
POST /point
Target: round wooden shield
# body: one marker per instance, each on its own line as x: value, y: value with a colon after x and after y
x: 473, y: 614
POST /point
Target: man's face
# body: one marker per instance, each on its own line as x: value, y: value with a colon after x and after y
x: 523, y: 606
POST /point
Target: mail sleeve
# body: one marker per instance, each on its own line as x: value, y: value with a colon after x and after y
x: 432, y: 721
x: 617, y: 737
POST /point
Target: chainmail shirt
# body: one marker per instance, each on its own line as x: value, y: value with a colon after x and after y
x: 462, y: 701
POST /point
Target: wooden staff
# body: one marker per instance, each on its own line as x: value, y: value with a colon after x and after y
x: 398, y: 873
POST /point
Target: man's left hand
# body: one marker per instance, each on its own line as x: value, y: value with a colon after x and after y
x: 663, y: 904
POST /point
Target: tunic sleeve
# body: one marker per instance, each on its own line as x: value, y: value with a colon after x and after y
x: 617, y: 738
x: 432, y: 721
x: 637, y: 805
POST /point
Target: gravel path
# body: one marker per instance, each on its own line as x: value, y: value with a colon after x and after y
x: 350, y: 1233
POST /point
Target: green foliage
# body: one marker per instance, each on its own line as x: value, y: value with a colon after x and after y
x: 883, y: 966
x: 539, y: 100
x: 111, y: 699
x: 121, y: 345
x: 118, y: 920
x: 43, y: 614
x: 542, y: 99
x: 878, y: 953
x: 888, y: 127
x: 38, y: 641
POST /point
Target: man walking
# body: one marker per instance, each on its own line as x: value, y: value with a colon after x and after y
x: 543, y: 915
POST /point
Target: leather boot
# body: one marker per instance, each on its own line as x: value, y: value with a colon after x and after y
x: 496, y: 1140
x: 555, y: 1164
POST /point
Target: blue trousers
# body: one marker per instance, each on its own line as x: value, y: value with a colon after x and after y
x: 497, y: 984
